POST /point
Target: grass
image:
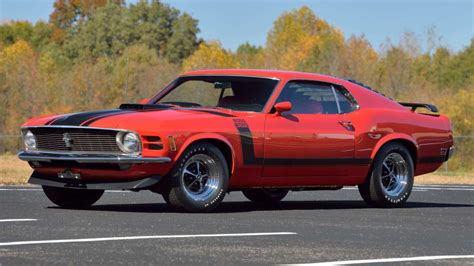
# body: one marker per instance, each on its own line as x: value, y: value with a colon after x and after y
x: 13, y: 171
x: 449, y: 178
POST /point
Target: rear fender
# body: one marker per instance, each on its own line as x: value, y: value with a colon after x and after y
x: 391, y: 137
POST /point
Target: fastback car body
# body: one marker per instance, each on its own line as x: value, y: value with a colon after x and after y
x: 263, y: 132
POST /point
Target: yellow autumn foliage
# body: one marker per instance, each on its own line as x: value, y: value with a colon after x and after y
x: 14, y: 54
x: 210, y: 55
x: 294, y: 36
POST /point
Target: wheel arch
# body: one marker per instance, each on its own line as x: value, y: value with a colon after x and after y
x: 217, y: 140
x: 403, y: 139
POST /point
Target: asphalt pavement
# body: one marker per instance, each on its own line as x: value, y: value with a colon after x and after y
x: 306, y: 227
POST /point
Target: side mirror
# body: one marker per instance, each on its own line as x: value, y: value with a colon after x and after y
x: 282, y: 107
x: 144, y: 101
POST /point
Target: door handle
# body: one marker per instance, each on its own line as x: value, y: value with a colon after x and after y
x: 347, y: 125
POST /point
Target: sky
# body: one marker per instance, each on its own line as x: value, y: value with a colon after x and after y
x: 234, y: 22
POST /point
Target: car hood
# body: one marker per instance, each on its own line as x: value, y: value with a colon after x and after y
x: 134, y: 116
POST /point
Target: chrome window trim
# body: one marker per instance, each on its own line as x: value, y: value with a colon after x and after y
x: 231, y: 75
x: 167, y: 89
x: 351, y: 98
x: 335, y: 99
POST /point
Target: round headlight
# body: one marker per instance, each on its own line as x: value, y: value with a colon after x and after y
x: 30, y: 141
x: 129, y: 142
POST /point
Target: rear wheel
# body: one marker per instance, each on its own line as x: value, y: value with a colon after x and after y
x: 265, y: 195
x: 391, y: 180
x: 200, y: 180
x: 72, y: 198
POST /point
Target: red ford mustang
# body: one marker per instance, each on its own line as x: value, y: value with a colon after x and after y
x: 256, y: 131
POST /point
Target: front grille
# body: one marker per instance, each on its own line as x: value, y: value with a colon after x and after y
x: 76, y: 140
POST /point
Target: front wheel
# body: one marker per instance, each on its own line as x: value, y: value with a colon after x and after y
x: 391, y: 180
x: 72, y: 198
x: 199, y: 181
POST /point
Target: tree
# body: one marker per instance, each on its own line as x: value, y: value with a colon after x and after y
x: 68, y: 13
x: 183, y: 41
x: 107, y: 32
x: 395, y: 71
x: 20, y: 96
x: 327, y: 57
x: 293, y: 38
x: 359, y: 60
x: 250, y: 56
x: 112, y: 28
x: 460, y: 70
x: 41, y: 35
x: 13, y: 31
x: 210, y: 55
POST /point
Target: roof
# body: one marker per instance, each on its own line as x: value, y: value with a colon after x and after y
x: 279, y: 74
x: 365, y: 95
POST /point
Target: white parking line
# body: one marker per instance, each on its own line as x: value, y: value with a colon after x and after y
x: 452, y: 186
x: 415, y: 188
x: 81, y: 240
x: 447, y: 188
x: 17, y: 220
x: 39, y: 189
x: 429, y: 188
x: 20, y: 189
x: 425, y: 258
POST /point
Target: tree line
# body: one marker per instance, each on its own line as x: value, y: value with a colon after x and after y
x: 97, y: 54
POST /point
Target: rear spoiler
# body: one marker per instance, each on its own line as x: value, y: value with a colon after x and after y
x: 413, y: 106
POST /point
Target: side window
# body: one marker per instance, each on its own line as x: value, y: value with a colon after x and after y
x: 316, y: 98
x: 309, y: 98
x: 346, y: 102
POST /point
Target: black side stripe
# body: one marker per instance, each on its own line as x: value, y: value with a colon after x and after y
x: 246, y: 142
x: 79, y: 118
x: 249, y: 158
x: 432, y: 159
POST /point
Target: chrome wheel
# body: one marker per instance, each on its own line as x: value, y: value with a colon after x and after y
x: 394, y: 175
x: 200, y: 177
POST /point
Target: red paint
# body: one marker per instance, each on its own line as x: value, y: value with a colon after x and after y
x: 377, y: 121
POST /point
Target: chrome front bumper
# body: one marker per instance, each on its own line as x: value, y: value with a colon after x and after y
x: 89, y: 158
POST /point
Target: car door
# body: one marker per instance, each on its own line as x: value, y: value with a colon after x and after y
x: 315, y: 138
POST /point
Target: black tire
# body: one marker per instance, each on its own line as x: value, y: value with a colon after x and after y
x: 204, y: 183
x: 382, y: 188
x: 265, y: 195
x: 72, y: 198
x: 165, y: 198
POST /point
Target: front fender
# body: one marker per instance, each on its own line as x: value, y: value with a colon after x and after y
x: 203, y: 137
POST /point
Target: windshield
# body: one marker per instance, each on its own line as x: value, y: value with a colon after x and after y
x: 236, y: 93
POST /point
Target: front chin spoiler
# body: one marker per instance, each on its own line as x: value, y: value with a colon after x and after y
x: 135, y: 185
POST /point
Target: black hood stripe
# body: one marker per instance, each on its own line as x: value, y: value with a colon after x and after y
x: 79, y: 118
x: 90, y: 121
x: 87, y: 118
x: 52, y: 120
